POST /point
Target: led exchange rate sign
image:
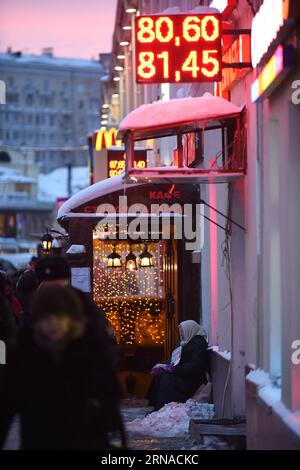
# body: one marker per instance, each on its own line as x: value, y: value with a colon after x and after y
x: 178, y: 48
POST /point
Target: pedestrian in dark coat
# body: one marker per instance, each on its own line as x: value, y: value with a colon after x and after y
x: 56, y: 270
x: 62, y: 381
x: 182, y: 375
x: 8, y: 321
x: 25, y: 288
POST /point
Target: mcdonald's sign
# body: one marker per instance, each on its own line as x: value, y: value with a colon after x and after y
x: 105, y: 138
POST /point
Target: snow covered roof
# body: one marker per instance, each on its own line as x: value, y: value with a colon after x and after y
x: 76, y: 250
x: 94, y: 191
x: 54, y: 185
x: 10, y: 175
x: 162, y: 115
x: 49, y: 61
x: 20, y: 202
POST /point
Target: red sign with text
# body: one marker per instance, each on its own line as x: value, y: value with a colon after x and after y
x: 116, y: 161
x: 178, y: 48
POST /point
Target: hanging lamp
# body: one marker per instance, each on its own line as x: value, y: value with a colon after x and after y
x: 145, y: 258
x: 114, y: 260
x: 130, y: 261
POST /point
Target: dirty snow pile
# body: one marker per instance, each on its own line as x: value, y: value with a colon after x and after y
x: 172, y: 420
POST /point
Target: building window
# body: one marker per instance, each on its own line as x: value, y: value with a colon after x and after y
x: 8, y: 225
x: 21, y: 187
x: 2, y: 225
x: 29, y: 100
x: 4, y: 157
x: 10, y: 81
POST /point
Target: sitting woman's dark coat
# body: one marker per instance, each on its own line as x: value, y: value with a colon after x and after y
x: 186, y: 378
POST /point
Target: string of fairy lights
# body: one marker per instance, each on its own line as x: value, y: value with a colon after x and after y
x: 131, y: 299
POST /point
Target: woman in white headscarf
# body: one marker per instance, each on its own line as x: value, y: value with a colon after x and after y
x: 185, y: 371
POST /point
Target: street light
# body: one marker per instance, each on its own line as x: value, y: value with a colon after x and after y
x: 46, y: 243
x: 130, y: 10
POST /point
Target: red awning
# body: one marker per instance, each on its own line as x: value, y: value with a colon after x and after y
x: 165, y: 117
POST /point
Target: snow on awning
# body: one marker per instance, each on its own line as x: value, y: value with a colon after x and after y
x: 161, y: 117
x: 107, y: 186
x: 76, y: 250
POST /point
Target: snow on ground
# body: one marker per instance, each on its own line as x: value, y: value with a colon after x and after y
x: 55, y: 184
x: 172, y: 420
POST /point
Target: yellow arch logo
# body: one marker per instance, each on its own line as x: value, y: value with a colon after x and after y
x: 106, y: 138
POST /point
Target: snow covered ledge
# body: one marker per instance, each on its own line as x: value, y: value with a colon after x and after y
x: 270, y: 424
x: 219, y: 365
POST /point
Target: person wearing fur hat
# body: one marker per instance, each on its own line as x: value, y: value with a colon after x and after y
x: 179, y: 378
x: 61, y: 380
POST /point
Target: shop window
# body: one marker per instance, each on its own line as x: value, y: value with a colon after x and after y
x: 131, y: 300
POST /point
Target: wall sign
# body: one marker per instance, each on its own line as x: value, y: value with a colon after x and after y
x: 265, y: 27
x: 105, y: 138
x: 116, y: 161
x: 178, y: 48
x: 238, y: 52
x: 273, y: 73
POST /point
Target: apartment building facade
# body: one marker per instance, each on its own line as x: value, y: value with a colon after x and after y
x: 51, y: 105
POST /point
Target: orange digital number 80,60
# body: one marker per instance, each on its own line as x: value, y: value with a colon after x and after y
x: 192, y: 29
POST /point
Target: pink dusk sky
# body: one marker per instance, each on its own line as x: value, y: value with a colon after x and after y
x: 74, y: 28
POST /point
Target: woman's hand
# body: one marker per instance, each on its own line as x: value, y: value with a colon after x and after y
x: 156, y: 370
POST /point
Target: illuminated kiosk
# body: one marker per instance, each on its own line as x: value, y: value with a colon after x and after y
x: 135, y: 282
x: 192, y: 121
